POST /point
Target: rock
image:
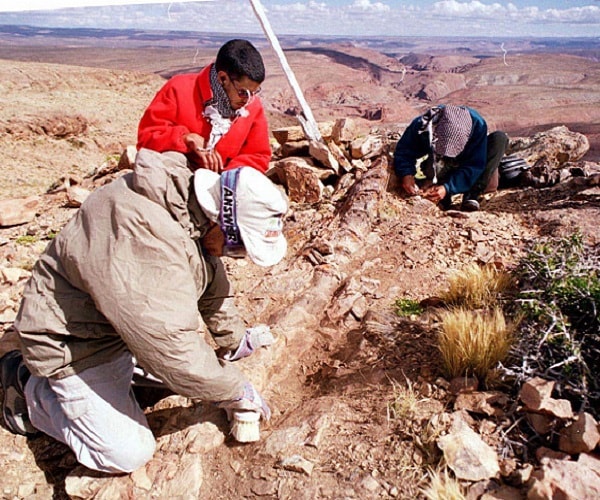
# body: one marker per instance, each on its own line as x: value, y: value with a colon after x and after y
x: 590, y: 461
x: 340, y: 156
x: 279, y: 442
x: 520, y: 476
x: 262, y: 488
x: 8, y: 316
x: 487, y: 403
x: 76, y: 196
x: 60, y: 125
x: 542, y: 454
x: 127, y: 159
x: 468, y: 456
x: 542, y: 424
x: 565, y: 480
x: 344, y: 130
x: 459, y: 385
x: 296, y: 463
x: 581, y: 436
x: 203, y: 437
x: 26, y: 489
x: 295, y: 148
x: 369, y: 483
x: 322, y: 154
x: 78, y: 484
x: 366, y: 147
x: 551, y: 148
x: 536, y: 395
x: 296, y: 133
x: 303, y: 184
x: 141, y: 479
x: 18, y: 210
x: 186, y: 482
x: 318, y: 425
x: 12, y: 275
x: 502, y: 493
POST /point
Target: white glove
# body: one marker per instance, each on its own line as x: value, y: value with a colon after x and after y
x: 254, y: 338
x: 251, y: 400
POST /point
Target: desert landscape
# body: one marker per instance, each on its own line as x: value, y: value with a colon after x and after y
x: 343, y: 362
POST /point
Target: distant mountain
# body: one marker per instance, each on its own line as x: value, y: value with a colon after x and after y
x: 393, y: 46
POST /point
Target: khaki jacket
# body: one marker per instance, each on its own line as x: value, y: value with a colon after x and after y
x: 126, y: 273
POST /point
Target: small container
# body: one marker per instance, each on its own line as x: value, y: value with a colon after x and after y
x: 245, y: 426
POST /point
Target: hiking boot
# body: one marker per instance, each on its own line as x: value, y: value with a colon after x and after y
x: 13, y: 377
x: 470, y: 206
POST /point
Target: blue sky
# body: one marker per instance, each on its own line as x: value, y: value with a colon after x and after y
x: 330, y: 17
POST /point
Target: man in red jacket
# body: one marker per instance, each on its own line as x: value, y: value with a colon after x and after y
x: 212, y: 117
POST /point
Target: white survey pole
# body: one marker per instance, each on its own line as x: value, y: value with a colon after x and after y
x: 307, y: 120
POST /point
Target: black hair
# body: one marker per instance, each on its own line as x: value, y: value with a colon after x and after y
x: 239, y: 58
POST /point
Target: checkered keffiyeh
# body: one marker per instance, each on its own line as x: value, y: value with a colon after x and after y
x: 220, y: 99
x: 451, y: 131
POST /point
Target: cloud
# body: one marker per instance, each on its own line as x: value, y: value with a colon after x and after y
x: 299, y: 7
x: 35, y: 5
x: 329, y: 17
x: 476, y: 9
x: 368, y: 6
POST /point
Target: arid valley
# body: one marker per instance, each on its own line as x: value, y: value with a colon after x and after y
x: 335, y: 372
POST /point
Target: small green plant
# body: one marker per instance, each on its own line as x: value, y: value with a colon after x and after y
x: 26, y: 239
x: 407, y: 307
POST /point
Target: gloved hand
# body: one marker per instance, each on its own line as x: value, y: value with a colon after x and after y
x: 250, y: 400
x: 254, y: 338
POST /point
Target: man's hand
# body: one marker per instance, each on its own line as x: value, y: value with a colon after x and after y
x: 435, y: 193
x: 409, y: 185
x: 204, y: 158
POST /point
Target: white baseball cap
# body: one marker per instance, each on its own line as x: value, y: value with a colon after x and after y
x: 249, y: 208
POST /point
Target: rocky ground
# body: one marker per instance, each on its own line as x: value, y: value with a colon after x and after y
x: 357, y: 394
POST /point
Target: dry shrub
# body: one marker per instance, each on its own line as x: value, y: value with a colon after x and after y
x: 473, y: 342
x: 443, y: 487
x: 477, y: 287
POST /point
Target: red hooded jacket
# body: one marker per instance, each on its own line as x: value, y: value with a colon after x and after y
x: 177, y: 110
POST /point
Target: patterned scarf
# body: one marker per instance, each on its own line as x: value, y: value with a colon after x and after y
x: 449, y: 128
x: 452, y: 131
x: 218, y: 111
x: 220, y: 99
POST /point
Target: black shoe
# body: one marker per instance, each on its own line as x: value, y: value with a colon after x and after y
x: 14, y: 376
x: 445, y: 203
x: 470, y: 206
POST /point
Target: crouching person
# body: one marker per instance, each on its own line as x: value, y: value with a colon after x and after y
x: 124, y: 285
x: 459, y: 156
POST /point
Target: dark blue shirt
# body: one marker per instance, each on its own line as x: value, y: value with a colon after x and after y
x: 470, y: 163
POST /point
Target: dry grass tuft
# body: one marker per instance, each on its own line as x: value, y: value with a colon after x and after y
x: 405, y: 401
x: 476, y: 287
x: 473, y: 342
x: 443, y: 487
